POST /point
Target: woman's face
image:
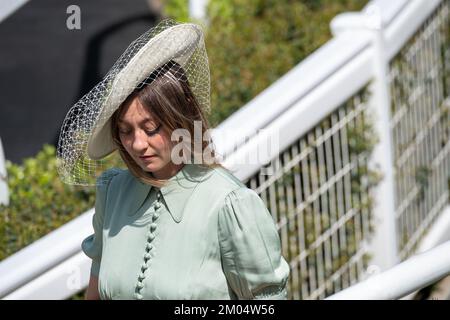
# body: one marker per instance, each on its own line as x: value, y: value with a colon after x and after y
x: 146, y: 141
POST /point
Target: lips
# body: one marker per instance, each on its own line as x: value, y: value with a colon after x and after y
x: 147, y: 157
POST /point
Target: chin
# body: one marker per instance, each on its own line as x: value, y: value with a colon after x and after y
x: 151, y: 167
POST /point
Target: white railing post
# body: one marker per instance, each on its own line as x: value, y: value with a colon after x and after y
x: 383, y: 243
x: 4, y: 193
x: 197, y: 9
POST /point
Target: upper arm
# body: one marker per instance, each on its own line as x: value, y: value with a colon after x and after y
x: 92, y: 245
x: 250, y: 248
x: 92, y: 289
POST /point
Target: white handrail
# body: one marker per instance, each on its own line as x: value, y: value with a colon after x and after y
x: 44, y: 254
x: 197, y: 9
x: 344, y: 57
x: 413, y: 274
x: 318, y: 80
x: 61, y: 282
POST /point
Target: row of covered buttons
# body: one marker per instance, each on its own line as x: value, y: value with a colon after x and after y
x: 148, y: 248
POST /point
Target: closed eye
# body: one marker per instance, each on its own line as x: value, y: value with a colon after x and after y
x: 148, y: 132
x: 153, y: 132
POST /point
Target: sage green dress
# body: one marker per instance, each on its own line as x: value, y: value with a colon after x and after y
x: 204, y: 235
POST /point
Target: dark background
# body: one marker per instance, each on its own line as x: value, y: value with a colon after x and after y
x: 46, y: 67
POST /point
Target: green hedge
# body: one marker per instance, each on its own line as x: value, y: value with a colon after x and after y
x: 39, y: 202
x: 252, y: 43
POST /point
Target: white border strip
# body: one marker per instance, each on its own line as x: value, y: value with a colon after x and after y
x: 8, y: 7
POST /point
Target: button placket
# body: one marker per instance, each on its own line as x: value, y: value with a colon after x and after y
x: 148, y: 248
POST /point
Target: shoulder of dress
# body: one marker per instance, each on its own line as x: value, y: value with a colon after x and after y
x: 107, y: 176
x: 219, y: 182
x: 112, y: 172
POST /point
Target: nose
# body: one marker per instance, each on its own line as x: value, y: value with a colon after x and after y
x: 139, y: 143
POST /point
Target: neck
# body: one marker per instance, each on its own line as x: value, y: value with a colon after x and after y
x: 168, y: 171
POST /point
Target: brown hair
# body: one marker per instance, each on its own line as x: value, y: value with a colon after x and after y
x: 173, y: 105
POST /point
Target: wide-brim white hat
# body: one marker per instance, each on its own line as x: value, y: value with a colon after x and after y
x: 176, y: 43
x: 85, y: 136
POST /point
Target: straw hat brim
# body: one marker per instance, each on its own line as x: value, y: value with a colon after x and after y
x: 155, y: 53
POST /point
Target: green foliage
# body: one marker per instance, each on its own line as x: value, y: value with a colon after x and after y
x: 423, y: 175
x: 39, y: 201
x: 252, y: 43
x: 177, y: 9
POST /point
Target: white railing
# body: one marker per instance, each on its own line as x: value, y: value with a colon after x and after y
x: 197, y: 9
x: 51, y: 266
x: 318, y: 113
x: 372, y: 41
x: 411, y: 275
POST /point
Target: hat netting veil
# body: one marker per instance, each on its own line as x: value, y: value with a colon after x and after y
x: 88, y: 119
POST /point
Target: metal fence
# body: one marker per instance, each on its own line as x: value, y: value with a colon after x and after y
x: 319, y: 194
x: 322, y: 186
x: 420, y: 124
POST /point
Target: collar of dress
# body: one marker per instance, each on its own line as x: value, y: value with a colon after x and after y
x: 177, y: 191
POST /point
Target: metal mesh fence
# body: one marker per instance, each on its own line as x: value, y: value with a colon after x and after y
x: 319, y: 194
x: 420, y: 123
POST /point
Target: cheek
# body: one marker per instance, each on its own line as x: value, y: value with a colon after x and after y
x: 160, y: 143
x: 163, y: 144
x: 126, y: 143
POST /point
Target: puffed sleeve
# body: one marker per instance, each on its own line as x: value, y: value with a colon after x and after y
x: 92, y: 245
x: 250, y: 248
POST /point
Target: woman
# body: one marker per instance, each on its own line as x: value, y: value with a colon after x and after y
x: 175, y: 224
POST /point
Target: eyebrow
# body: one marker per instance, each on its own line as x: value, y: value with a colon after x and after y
x: 143, y: 121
